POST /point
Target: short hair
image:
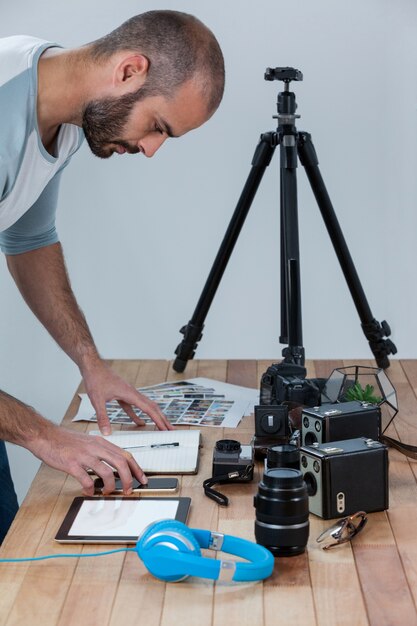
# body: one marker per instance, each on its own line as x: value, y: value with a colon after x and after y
x: 178, y: 47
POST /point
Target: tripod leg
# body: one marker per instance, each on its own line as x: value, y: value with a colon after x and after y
x: 193, y: 330
x: 283, y: 338
x: 373, y: 330
x: 291, y: 325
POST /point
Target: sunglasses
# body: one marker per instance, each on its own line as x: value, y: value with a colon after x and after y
x: 343, y: 531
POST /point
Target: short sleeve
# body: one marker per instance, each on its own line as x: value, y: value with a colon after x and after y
x: 36, y: 228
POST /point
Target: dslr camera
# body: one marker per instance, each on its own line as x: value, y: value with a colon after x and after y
x: 287, y: 382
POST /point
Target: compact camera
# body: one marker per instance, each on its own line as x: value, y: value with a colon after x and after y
x: 344, y: 420
x: 287, y: 382
x: 230, y: 457
x: 343, y: 477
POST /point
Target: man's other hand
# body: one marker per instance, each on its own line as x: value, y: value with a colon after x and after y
x: 104, y: 385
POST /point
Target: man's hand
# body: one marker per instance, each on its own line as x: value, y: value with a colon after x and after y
x: 67, y: 450
x: 75, y: 453
x: 103, y: 385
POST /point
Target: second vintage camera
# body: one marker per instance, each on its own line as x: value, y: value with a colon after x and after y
x: 343, y: 477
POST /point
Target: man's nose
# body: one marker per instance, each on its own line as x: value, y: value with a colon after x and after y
x: 151, y: 143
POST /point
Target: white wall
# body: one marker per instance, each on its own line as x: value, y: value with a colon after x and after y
x: 140, y: 235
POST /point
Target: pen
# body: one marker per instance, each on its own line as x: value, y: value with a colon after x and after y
x: 155, y: 445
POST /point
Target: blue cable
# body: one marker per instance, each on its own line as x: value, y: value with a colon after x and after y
x: 59, y: 556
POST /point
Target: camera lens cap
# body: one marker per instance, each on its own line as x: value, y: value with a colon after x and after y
x: 228, y: 445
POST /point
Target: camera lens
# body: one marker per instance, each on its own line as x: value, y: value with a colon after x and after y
x: 311, y: 482
x: 228, y: 445
x: 285, y: 455
x: 281, y: 504
x: 310, y: 438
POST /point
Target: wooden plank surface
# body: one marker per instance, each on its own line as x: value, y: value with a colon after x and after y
x: 372, y: 581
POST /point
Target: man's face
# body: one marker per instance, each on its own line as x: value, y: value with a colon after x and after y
x: 126, y: 124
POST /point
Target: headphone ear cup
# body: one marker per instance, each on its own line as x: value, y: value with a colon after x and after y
x: 167, y: 538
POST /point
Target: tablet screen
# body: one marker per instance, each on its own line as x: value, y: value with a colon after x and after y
x: 117, y: 519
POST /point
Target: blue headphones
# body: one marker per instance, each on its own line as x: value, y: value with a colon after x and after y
x: 171, y: 551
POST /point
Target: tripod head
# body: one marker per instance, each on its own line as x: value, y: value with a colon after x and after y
x: 286, y: 103
x: 286, y: 74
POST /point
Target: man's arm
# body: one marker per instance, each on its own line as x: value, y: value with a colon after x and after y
x: 42, y: 279
x: 66, y: 450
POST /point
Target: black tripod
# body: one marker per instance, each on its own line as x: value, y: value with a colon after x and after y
x: 291, y: 143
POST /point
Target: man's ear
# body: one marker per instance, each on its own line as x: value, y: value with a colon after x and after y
x: 130, y: 72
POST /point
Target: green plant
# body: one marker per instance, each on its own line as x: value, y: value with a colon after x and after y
x: 357, y: 392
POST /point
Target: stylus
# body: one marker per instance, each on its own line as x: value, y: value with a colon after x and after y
x: 154, y: 445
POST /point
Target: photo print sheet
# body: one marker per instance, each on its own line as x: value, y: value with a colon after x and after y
x: 194, y: 402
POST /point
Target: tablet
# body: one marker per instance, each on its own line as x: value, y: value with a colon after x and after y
x: 117, y: 519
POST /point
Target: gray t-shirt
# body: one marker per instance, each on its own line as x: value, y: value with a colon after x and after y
x: 29, y: 175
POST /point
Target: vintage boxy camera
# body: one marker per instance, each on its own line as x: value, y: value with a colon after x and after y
x: 272, y: 421
x: 338, y: 421
x: 344, y: 477
x: 272, y: 427
x: 287, y: 382
x: 231, y: 457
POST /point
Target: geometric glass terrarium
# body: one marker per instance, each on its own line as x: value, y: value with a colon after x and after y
x: 363, y: 383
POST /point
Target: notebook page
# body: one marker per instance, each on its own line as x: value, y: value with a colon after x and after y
x: 178, y: 459
x: 168, y: 460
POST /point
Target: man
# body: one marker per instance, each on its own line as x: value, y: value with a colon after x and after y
x: 158, y: 75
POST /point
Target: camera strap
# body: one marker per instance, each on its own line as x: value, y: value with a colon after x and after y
x: 405, y: 448
x: 225, y: 478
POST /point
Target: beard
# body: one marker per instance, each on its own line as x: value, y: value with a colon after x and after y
x: 103, y: 123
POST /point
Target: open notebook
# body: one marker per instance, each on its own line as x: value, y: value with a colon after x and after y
x: 180, y: 459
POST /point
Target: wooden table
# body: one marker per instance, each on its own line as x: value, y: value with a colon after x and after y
x: 371, y: 581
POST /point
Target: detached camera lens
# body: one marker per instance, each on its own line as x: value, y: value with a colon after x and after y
x: 281, y: 504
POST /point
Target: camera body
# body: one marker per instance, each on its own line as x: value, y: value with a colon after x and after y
x: 339, y: 421
x: 347, y: 476
x: 229, y: 457
x: 287, y: 382
x: 272, y: 427
x: 272, y: 421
